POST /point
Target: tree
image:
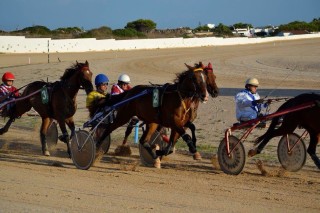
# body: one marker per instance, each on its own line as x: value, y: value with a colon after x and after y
x: 242, y: 25
x: 222, y: 30
x: 39, y: 30
x: 203, y: 28
x: 141, y: 25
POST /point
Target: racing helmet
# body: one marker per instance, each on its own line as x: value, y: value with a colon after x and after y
x: 252, y: 81
x: 101, y: 79
x: 124, y: 78
x: 8, y: 76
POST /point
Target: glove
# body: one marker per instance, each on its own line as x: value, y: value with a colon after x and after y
x: 260, y: 101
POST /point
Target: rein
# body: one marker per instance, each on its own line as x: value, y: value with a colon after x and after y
x: 186, y: 110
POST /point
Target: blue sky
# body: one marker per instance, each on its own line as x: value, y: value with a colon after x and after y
x: 90, y: 14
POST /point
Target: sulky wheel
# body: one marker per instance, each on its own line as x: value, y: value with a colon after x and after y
x: 295, y: 159
x: 83, y: 149
x: 231, y: 164
x: 156, y: 139
x: 52, y: 135
x: 105, y: 144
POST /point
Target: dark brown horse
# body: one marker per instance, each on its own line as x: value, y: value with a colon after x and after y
x: 61, y: 105
x: 170, y: 113
x: 308, y: 118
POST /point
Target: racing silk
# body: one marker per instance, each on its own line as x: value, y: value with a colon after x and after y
x: 5, y: 90
x: 246, y: 109
x: 116, y: 90
x: 92, y: 97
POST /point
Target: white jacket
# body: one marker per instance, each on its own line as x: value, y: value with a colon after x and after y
x: 246, y: 109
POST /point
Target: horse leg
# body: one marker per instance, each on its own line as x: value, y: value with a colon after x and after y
x: 43, y: 132
x: 7, y: 126
x: 129, y: 129
x: 192, y: 128
x: 185, y: 137
x: 65, y: 136
x: 70, y: 123
x: 144, y: 140
x: 175, y: 136
x: 286, y: 127
x: 314, y: 140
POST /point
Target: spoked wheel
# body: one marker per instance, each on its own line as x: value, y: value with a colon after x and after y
x: 105, y: 145
x: 52, y: 135
x: 292, y: 156
x: 231, y: 164
x: 156, y: 140
x: 83, y: 149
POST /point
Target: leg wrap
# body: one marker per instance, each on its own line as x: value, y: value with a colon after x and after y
x: 187, y: 139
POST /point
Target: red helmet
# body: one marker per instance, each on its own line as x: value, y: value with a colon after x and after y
x: 8, y: 76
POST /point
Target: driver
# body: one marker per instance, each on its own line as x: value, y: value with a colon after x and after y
x: 248, y: 102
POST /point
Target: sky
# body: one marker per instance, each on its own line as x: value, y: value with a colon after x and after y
x: 167, y: 14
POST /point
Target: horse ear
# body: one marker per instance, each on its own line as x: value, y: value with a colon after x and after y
x: 201, y: 65
x: 209, y: 65
x: 87, y: 63
x: 188, y: 66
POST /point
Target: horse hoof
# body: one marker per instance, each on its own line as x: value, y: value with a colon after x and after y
x: 197, y: 156
x: 46, y: 153
x: 157, y: 163
x: 252, y: 152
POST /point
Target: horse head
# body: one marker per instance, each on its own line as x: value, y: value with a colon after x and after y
x: 211, y: 81
x: 85, y: 76
x: 192, y: 83
x: 211, y: 78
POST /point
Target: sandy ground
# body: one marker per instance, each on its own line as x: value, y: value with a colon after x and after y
x: 30, y: 182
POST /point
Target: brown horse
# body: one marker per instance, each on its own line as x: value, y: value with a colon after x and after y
x: 194, y: 104
x: 212, y: 89
x: 171, y: 112
x: 61, y: 105
x: 307, y: 118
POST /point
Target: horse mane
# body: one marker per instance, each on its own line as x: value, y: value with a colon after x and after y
x: 70, y: 71
x: 181, y: 76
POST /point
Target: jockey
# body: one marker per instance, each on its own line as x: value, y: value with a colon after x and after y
x: 101, y: 81
x: 248, y: 102
x: 7, y: 92
x: 122, y: 85
x: 7, y: 88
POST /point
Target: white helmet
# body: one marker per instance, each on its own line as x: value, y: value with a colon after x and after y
x: 124, y: 78
x: 252, y: 81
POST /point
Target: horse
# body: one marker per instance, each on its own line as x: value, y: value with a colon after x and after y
x: 307, y: 118
x: 212, y: 89
x: 191, y: 116
x: 171, y: 112
x: 61, y: 105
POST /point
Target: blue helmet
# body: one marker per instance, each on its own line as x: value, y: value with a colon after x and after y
x: 100, y: 79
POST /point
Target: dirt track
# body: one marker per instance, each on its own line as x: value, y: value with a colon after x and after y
x: 30, y: 182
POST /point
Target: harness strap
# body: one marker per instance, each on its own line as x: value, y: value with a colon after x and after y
x: 184, y: 106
